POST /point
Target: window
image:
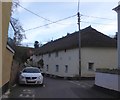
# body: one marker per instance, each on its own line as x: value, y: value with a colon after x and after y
x: 91, y: 66
x: 69, y: 58
x: 57, y: 68
x: 66, y: 68
x: 31, y: 70
x: 65, y: 50
x: 56, y: 54
x: 47, y: 68
x: 49, y: 55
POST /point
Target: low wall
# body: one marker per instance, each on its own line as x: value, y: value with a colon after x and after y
x: 107, y: 80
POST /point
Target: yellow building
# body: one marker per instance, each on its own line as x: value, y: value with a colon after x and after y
x: 6, y: 51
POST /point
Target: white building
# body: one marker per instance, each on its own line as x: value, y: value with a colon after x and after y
x: 61, y: 56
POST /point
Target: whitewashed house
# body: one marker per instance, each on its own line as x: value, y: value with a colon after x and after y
x: 61, y: 56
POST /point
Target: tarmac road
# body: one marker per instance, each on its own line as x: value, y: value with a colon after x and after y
x: 58, y: 88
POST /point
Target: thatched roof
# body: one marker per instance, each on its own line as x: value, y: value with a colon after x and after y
x: 89, y: 38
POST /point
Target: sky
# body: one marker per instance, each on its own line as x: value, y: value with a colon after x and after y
x: 95, y: 13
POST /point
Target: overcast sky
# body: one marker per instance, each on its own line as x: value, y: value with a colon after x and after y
x: 93, y: 13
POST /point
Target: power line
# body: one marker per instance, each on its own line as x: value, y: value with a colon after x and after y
x: 96, y: 23
x: 51, y: 22
x: 97, y: 17
x: 62, y: 20
x: 33, y: 13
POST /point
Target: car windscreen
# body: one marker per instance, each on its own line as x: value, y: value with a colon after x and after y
x: 31, y: 70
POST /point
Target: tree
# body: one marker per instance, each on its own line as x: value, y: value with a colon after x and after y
x: 36, y: 44
x: 14, y: 6
x: 18, y: 29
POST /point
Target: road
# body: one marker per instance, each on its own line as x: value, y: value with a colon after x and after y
x: 58, y: 88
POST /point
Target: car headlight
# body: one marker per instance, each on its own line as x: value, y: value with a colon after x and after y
x: 22, y: 77
x: 39, y: 77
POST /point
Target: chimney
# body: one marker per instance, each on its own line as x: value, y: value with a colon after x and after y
x: 68, y: 34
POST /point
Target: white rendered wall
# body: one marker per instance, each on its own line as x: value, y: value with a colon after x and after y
x: 70, y: 58
x: 106, y: 80
x: 101, y: 57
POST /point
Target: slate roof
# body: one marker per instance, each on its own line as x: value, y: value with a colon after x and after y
x: 89, y: 38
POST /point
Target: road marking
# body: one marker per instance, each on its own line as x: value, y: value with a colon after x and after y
x: 28, y: 90
x: 27, y: 95
x: 6, y: 94
x: 74, y: 82
x: 82, y: 84
x: 14, y: 85
x: 21, y: 95
x: 24, y: 90
x: 87, y: 84
x: 33, y: 95
x: 78, y: 84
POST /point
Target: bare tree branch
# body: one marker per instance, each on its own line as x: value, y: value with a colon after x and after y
x: 18, y: 29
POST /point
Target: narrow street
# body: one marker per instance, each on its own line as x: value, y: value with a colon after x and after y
x: 58, y: 88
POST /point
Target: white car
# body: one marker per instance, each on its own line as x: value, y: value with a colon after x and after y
x: 31, y: 75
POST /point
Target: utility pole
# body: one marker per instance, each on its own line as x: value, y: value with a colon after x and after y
x: 79, y: 40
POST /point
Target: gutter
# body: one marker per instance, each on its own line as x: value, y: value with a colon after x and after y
x: 9, y: 48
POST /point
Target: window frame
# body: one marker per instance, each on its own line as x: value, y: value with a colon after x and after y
x: 57, y: 68
x: 56, y: 54
x: 66, y: 68
x: 91, y: 66
x: 47, y: 67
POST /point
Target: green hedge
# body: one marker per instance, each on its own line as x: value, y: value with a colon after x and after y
x: 110, y: 71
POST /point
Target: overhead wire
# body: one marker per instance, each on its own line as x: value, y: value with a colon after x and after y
x: 35, y: 14
x: 52, y: 22
x: 96, y: 17
x: 96, y: 23
x: 65, y: 19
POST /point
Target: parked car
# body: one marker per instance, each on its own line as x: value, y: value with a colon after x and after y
x: 31, y: 75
